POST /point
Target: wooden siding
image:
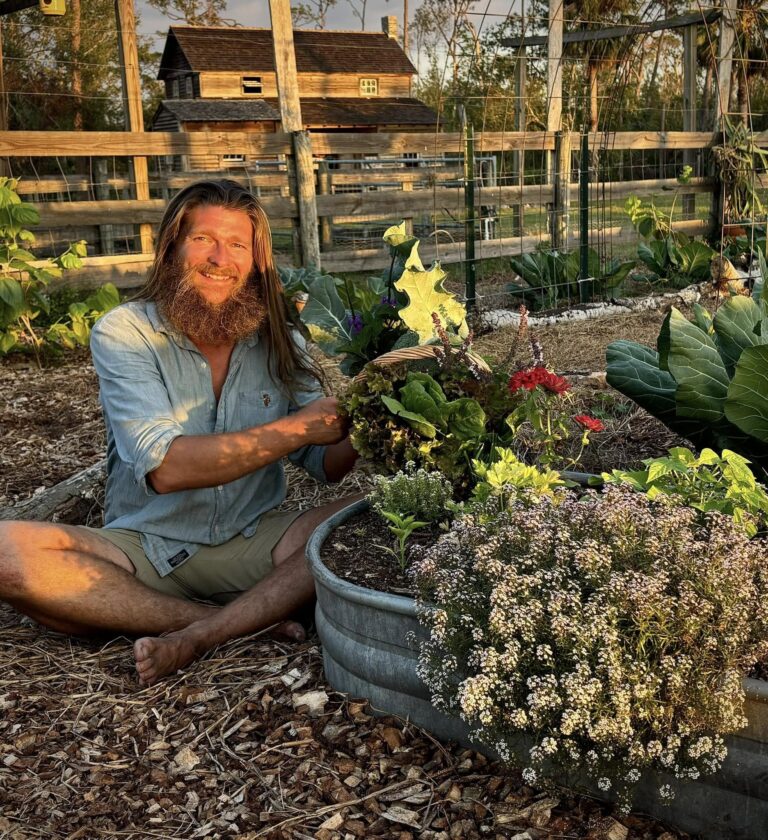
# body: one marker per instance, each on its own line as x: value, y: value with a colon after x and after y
x: 228, y: 85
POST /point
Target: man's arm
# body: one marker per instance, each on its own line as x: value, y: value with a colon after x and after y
x: 194, y: 461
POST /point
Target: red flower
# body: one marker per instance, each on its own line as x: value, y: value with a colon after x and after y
x: 538, y: 375
x: 591, y: 423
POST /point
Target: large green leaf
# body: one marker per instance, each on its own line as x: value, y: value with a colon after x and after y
x: 466, y: 418
x: 12, y: 297
x: 415, y: 397
x: 698, y: 369
x: 736, y: 325
x: 634, y: 370
x: 325, y: 316
x: 416, y: 421
x: 694, y: 259
x: 747, y: 403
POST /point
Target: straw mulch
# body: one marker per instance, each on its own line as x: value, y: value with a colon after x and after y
x: 249, y: 742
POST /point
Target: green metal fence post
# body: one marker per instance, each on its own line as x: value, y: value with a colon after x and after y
x: 469, y: 219
x: 585, y: 281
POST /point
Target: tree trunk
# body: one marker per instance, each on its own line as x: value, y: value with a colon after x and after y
x: 77, y: 76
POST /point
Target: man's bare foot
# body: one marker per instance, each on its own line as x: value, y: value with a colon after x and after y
x: 158, y: 656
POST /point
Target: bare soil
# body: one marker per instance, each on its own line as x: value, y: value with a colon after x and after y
x: 249, y: 742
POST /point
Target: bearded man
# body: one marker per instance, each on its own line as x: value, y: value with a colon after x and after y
x: 204, y: 388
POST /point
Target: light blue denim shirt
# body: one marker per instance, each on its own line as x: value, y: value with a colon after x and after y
x: 156, y: 385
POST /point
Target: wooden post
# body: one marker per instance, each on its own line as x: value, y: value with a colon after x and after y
x: 106, y: 232
x: 554, y: 91
x: 134, y: 116
x: 326, y: 222
x: 722, y: 105
x: 290, y: 113
x: 689, y: 109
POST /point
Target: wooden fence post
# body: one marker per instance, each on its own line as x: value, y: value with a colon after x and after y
x: 689, y: 109
x: 518, y: 158
x: 134, y: 116
x: 326, y: 222
x: 722, y: 106
x: 562, y: 191
x: 554, y: 92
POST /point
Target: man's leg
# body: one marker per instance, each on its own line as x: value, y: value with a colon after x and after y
x: 74, y: 581
x: 280, y: 594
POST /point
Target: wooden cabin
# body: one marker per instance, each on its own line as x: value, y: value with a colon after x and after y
x: 223, y: 78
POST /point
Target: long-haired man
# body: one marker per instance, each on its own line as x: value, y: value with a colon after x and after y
x: 205, y: 388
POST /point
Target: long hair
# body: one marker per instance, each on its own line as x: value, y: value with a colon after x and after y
x: 288, y: 366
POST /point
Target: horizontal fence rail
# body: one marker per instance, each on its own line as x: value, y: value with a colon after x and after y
x: 359, y: 191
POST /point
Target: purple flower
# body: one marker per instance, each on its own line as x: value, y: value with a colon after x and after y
x: 389, y: 301
x: 355, y: 323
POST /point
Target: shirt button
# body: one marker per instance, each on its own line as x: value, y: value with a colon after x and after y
x: 220, y: 487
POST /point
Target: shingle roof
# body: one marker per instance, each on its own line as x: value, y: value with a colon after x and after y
x: 354, y: 113
x: 218, y: 48
x: 222, y: 110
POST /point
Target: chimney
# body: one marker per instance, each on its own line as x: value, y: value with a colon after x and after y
x: 389, y: 26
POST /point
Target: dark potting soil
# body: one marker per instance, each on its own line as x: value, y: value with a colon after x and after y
x: 354, y: 552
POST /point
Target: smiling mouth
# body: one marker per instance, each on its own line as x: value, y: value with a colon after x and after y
x: 209, y: 276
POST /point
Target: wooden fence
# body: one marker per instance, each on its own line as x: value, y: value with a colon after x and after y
x: 431, y: 185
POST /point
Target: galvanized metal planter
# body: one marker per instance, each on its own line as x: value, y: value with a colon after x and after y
x: 370, y: 649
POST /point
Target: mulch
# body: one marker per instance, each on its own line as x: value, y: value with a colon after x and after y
x: 250, y: 741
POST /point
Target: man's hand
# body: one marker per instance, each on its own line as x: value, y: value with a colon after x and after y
x: 322, y: 423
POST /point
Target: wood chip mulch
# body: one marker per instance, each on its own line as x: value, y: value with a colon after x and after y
x: 249, y: 742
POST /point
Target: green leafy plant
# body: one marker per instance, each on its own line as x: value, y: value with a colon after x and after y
x: 363, y: 320
x: 739, y: 160
x: 551, y: 276
x: 706, y: 379
x: 401, y: 528
x: 706, y: 482
x: 24, y: 281
x: 606, y: 633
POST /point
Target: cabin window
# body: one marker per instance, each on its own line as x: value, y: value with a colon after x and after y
x: 228, y: 160
x: 251, y: 84
x: 188, y: 88
x: 369, y: 87
x: 174, y: 88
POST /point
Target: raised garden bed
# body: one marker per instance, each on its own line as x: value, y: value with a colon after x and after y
x: 370, y: 649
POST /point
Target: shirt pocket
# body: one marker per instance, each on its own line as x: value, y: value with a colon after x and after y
x: 257, y: 407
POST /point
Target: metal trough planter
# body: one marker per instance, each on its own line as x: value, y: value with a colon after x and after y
x: 370, y: 649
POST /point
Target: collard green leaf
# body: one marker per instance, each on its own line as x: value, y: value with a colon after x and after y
x: 736, y: 325
x: 415, y: 397
x: 662, y: 343
x: 698, y: 369
x: 702, y: 319
x: 747, y: 403
x: 325, y: 316
x: 416, y: 421
x: 634, y: 370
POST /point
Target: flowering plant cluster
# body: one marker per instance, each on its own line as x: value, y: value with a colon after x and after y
x: 543, y: 421
x: 606, y: 632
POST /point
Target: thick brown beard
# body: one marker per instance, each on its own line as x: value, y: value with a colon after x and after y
x: 237, y: 318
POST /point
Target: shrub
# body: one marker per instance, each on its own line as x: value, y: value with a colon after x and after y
x: 607, y: 633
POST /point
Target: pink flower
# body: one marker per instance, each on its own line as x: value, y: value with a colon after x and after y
x: 591, y: 423
x: 534, y: 376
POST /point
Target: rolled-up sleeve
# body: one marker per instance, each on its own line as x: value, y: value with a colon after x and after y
x: 133, y: 395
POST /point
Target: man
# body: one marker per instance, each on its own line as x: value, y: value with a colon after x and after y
x: 204, y: 388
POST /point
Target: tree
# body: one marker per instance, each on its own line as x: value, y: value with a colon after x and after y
x: 311, y: 13
x: 195, y: 12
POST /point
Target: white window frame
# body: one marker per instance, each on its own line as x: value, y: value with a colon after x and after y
x: 369, y: 86
x: 232, y: 159
x: 247, y: 82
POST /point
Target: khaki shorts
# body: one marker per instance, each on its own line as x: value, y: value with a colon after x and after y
x: 216, y: 573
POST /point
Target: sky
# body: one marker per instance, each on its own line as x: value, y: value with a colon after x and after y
x: 256, y: 13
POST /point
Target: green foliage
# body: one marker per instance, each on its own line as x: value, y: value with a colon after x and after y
x: 552, y: 276
x: 24, y: 281
x: 365, y: 319
x: 705, y: 482
x: 401, y: 528
x: 502, y: 479
x: 706, y: 381
x: 739, y: 160
x: 424, y: 494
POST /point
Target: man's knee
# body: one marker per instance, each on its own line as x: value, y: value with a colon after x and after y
x: 14, y: 540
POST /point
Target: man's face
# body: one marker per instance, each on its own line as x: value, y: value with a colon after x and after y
x: 217, y: 251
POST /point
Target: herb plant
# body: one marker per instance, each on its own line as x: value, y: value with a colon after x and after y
x: 424, y: 494
x: 606, y: 633
x: 401, y: 528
